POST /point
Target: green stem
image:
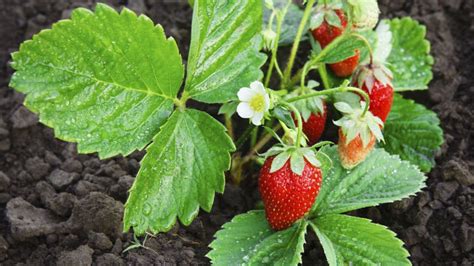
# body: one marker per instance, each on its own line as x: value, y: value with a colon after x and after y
x: 323, y: 73
x: 343, y: 88
x: 273, y: 60
x: 241, y: 140
x: 253, y: 137
x: 229, y: 126
x: 296, y: 43
x: 298, y: 119
x: 366, y: 42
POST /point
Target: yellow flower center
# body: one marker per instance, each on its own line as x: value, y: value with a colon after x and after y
x: 257, y: 103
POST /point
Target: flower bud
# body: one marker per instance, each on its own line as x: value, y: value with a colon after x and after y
x: 269, y: 4
x: 269, y: 37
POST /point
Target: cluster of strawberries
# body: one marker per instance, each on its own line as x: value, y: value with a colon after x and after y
x: 288, y: 196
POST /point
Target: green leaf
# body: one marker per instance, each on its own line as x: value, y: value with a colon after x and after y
x: 181, y: 171
x: 341, y: 48
x: 413, y: 132
x: 284, y: 116
x: 351, y: 240
x: 410, y: 59
x: 102, y: 79
x: 291, y: 22
x: 381, y: 178
x: 224, y: 54
x: 229, y: 108
x: 249, y: 240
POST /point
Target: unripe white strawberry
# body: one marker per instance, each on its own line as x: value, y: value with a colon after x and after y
x: 365, y: 13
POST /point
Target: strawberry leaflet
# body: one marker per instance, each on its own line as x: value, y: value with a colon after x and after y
x: 357, y: 241
x: 413, y: 132
x: 224, y: 53
x: 381, y: 178
x: 183, y: 168
x: 249, y: 240
x: 102, y: 79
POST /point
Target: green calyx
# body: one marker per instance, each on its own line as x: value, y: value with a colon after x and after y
x: 354, y: 123
x: 308, y: 106
x: 326, y: 13
x: 368, y: 74
x: 297, y: 157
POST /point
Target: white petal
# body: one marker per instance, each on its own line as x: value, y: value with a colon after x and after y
x: 245, y: 94
x: 257, y: 119
x: 257, y: 86
x: 244, y: 110
x: 267, y: 102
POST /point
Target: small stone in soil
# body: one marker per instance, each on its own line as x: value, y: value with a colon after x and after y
x: 81, y: 256
x: 109, y: 259
x: 61, y: 179
x: 4, y: 181
x: 61, y: 203
x: 444, y: 190
x: 23, y: 118
x: 5, y: 145
x: 72, y: 166
x: 99, y: 241
x: 28, y: 221
x: 37, y: 168
x: 83, y: 188
x: 3, y: 248
x: 100, y: 213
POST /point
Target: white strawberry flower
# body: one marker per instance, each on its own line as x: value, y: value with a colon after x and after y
x: 254, y: 102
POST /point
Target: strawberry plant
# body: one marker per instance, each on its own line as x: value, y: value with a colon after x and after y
x: 114, y: 83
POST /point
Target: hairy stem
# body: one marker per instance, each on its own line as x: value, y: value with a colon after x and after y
x: 296, y: 43
x: 343, y: 88
x: 229, y: 126
x: 298, y: 119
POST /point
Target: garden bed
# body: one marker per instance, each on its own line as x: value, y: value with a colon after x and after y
x: 73, y: 204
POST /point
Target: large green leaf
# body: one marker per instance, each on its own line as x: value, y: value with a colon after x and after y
x: 381, y: 178
x: 413, y: 132
x: 102, y: 79
x: 249, y: 240
x: 183, y: 168
x: 290, y: 24
x: 224, y: 54
x: 410, y: 59
x: 351, y: 240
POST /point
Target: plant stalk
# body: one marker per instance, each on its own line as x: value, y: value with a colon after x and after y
x: 296, y: 43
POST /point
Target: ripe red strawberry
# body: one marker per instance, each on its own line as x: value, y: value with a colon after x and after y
x: 354, y: 152
x: 346, y: 68
x: 314, y: 126
x: 376, y: 81
x: 325, y: 32
x: 358, y: 133
x: 286, y: 195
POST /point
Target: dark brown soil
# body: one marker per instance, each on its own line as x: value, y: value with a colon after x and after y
x: 58, y: 207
